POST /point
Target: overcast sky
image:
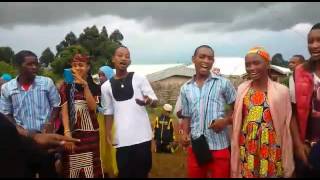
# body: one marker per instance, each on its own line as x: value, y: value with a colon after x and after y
x: 162, y: 32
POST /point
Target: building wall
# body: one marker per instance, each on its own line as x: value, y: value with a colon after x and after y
x: 167, y: 90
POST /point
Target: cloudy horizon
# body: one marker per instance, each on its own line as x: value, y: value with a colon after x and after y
x: 159, y: 32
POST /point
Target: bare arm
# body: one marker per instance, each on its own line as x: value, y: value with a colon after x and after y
x: 109, y: 124
x: 65, y: 119
x: 92, y: 105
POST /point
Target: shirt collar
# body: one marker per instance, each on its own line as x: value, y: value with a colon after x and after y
x: 210, y: 77
x: 16, y: 84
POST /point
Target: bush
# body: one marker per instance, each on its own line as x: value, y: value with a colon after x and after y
x: 7, y: 68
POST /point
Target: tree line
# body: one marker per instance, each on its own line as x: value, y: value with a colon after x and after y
x: 97, y: 44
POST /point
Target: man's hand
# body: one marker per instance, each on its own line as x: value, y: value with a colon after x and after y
x: 53, y: 140
x: 219, y: 124
x: 185, y: 140
x: 70, y: 146
x: 108, y: 138
x: 146, y: 101
x: 302, y: 152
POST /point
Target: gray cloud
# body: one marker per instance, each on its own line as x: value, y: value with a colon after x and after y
x: 221, y: 15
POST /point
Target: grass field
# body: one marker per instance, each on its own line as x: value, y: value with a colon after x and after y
x: 167, y: 165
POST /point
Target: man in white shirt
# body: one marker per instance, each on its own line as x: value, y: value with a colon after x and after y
x: 123, y: 100
x: 293, y: 63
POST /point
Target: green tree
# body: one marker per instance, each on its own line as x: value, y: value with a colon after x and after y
x: 63, y: 59
x: 278, y: 60
x: 71, y: 39
x: 104, y: 34
x: 6, y: 54
x: 90, y: 39
x: 46, y: 57
x: 116, y: 36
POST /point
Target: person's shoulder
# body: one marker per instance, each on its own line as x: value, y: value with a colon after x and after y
x: 105, y: 85
x: 280, y: 86
x: 138, y: 75
x: 10, y: 84
x: 44, y: 79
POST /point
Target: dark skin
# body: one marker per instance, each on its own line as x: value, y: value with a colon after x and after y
x: 294, y: 62
x: 27, y: 73
x: 203, y: 61
x: 121, y: 60
x: 301, y: 149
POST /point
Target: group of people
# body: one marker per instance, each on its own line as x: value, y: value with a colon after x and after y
x: 274, y: 129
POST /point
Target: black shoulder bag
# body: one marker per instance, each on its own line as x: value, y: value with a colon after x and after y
x: 200, y: 145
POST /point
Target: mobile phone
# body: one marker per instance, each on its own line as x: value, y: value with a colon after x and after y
x: 68, y: 76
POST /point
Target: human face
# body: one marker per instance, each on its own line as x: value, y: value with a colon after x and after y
x: 203, y: 61
x: 82, y: 68
x: 29, y: 68
x: 121, y: 59
x: 256, y: 66
x: 314, y: 44
x: 103, y: 78
x: 293, y: 63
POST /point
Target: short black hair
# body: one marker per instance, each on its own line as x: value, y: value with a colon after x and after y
x: 202, y: 46
x: 19, y: 57
x: 120, y: 46
x: 315, y: 27
x: 301, y: 58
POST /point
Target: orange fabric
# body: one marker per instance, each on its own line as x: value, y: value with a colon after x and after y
x: 261, y: 52
x: 280, y: 111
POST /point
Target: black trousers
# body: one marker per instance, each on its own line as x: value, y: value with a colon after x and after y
x: 134, y: 161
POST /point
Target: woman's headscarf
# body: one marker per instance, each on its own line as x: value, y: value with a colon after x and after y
x: 261, y: 52
x: 107, y: 70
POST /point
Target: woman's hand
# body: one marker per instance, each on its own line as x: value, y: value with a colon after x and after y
x: 78, y: 79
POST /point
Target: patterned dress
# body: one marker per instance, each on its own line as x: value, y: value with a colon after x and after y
x: 85, y: 162
x: 260, y: 154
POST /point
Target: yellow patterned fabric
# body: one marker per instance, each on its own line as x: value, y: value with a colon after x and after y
x: 107, y: 153
x: 260, y: 154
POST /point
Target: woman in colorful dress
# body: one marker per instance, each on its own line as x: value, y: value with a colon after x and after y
x: 261, y: 144
x: 79, y: 103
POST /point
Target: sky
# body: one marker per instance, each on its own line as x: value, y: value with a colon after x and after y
x: 164, y: 32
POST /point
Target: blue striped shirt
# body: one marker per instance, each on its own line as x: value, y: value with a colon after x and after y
x: 31, y: 108
x: 199, y: 106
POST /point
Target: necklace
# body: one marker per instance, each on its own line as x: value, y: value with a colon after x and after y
x: 122, y: 82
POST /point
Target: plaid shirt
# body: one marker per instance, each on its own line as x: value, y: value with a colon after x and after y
x: 31, y: 108
x: 203, y: 108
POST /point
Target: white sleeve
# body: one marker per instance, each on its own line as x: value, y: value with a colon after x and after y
x: 106, y: 99
x: 147, y: 89
x: 292, y: 89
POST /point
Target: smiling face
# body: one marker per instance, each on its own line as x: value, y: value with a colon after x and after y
x: 314, y: 44
x: 121, y: 58
x: 82, y: 68
x: 256, y: 66
x: 203, y: 61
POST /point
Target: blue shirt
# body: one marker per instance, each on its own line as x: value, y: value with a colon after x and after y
x: 31, y: 108
x: 203, y: 108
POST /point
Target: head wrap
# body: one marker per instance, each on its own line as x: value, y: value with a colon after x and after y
x: 80, y: 58
x: 167, y: 107
x: 261, y: 52
x: 6, y: 77
x: 107, y: 70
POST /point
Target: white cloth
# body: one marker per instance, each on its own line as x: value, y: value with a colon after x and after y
x: 130, y: 119
x: 292, y: 89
